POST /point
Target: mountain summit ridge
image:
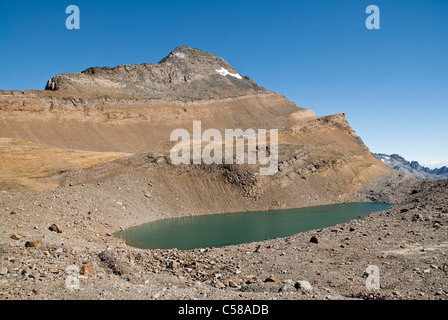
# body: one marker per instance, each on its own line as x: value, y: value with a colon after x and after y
x: 399, y: 163
x: 186, y: 73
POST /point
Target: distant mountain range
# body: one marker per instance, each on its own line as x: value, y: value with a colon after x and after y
x: 413, y: 167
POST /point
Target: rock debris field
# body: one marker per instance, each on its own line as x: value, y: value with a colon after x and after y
x: 408, y: 243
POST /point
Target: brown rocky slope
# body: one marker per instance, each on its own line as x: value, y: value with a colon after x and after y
x: 94, y: 116
x: 121, y: 118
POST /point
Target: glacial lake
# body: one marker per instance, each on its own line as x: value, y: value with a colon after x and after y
x: 219, y: 230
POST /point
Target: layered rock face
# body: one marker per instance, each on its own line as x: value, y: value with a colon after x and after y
x: 133, y: 110
x: 185, y: 74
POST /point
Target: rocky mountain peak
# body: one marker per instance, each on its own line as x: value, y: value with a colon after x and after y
x: 186, y: 53
x: 184, y: 74
x: 399, y: 163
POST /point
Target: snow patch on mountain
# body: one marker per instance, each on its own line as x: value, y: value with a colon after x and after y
x: 224, y: 72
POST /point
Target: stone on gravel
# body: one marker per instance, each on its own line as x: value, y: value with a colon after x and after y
x: 55, y: 228
x: 303, y: 285
x: 314, y: 239
x: 173, y: 264
x: 286, y: 288
x: 86, y: 269
x: 32, y: 244
x: 272, y: 278
x: 233, y: 284
x: 219, y: 285
x: 115, y: 263
x: 15, y: 236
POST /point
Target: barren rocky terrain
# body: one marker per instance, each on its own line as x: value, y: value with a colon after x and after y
x: 89, y: 157
x: 408, y: 243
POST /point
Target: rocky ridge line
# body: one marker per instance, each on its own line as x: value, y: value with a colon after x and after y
x: 185, y: 74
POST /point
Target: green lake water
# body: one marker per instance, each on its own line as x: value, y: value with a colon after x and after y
x: 234, y: 228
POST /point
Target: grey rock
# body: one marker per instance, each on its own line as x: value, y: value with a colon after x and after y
x: 286, y: 288
x: 114, y: 262
x: 303, y: 285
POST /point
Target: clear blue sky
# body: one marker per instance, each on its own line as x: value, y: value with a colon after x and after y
x: 391, y: 83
